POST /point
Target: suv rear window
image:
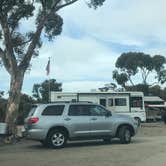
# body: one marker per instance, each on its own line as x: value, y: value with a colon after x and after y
x: 53, y: 110
x: 32, y: 111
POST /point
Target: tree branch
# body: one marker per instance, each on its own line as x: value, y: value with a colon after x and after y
x: 153, y: 84
x: 130, y: 80
x: 66, y: 4
x: 25, y: 42
x: 8, y: 42
x: 5, y: 61
x: 147, y: 74
x: 26, y: 60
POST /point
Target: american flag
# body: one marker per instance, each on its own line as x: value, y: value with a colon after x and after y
x: 48, y: 67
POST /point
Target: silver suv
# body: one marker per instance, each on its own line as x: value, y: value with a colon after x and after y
x: 54, y: 124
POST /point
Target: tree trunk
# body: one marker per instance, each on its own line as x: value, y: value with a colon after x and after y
x: 13, y: 101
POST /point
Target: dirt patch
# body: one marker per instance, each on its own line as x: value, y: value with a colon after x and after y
x: 152, y: 129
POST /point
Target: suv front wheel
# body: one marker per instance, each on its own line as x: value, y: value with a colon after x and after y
x: 125, y: 135
x: 57, y: 139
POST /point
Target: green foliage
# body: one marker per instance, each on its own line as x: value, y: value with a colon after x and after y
x: 15, y: 11
x: 121, y: 78
x: 162, y: 76
x: 41, y: 91
x: 133, y: 63
x: 21, y: 45
x: 1, y: 94
x: 139, y: 87
x: 21, y: 9
x: 149, y: 91
x: 53, y: 26
x: 96, y: 3
x: 158, y: 91
x: 127, y: 63
x: 107, y: 87
x: 158, y: 62
x: 25, y: 105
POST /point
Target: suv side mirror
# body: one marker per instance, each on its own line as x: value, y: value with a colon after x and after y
x: 108, y: 114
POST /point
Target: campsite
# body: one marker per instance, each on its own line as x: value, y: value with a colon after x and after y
x: 82, y: 82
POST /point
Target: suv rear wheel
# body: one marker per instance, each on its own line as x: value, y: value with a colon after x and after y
x: 125, y: 135
x: 57, y: 139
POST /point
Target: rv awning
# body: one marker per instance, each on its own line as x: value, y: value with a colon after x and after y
x: 156, y: 106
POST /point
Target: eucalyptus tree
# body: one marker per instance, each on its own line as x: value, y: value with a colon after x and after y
x: 17, y: 47
x: 131, y: 64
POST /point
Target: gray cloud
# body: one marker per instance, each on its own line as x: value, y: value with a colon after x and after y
x: 80, y: 57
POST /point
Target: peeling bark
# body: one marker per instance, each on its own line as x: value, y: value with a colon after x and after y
x: 13, y: 101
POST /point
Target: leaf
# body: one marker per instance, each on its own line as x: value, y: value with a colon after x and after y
x: 53, y: 26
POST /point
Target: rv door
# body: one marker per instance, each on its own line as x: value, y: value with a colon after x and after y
x: 103, y: 102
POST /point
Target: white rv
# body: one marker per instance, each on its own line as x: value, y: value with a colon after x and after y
x: 128, y: 103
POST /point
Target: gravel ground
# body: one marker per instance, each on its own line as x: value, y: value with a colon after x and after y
x: 148, y: 148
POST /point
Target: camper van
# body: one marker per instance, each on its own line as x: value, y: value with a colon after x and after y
x: 128, y: 103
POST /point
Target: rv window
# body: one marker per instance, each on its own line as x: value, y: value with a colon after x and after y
x: 73, y: 100
x: 136, y: 102
x: 120, y: 102
x: 110, y: 102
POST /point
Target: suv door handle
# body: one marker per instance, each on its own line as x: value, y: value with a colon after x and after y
x: 67, y: 119
x: 94, y: 119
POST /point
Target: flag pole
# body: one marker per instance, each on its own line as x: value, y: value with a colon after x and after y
x: 49, y: 90
x: 48, y: 75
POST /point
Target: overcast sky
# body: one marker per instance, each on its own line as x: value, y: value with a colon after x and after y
x: 83, y: 56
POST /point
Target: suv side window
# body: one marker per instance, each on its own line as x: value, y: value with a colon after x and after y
x: 97, y: 111
x: 53, y: 110
x: 79, y: 110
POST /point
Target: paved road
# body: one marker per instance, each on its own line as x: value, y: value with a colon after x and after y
x: 149, y: 151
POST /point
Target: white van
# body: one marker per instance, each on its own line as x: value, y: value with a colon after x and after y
x: 128, y: 103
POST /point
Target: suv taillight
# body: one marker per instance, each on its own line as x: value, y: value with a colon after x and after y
x: 33, y: 120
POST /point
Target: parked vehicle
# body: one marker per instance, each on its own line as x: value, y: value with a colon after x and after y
x: 54, y: 124
x: 125, y: 103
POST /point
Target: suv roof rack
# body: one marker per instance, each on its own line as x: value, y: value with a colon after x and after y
x: 34, y: 105
x: 71, y: 102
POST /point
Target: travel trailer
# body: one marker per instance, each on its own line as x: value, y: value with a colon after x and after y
x: 154, y: 107
x: 128, y: 103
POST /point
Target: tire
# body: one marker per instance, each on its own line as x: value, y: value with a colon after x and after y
x: 107, y: 140
x: 57, y: 139
x: 125, y: 135
x: 138, y: 120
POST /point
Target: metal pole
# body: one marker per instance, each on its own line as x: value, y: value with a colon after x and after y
x: 49, y: 85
